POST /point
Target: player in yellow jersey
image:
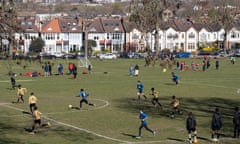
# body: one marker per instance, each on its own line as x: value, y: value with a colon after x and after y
x: 37, y: 120
x: 32, y: 100
x: 21, y: 92
x: 155, y: 99
x: 175, y: 105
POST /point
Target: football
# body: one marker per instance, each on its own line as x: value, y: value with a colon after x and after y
x: 195, y: 141
x: 70, y: 106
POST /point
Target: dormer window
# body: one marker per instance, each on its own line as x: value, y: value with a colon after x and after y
x: 49, y: 29
x: 93, y: 29
x: 116, y: 29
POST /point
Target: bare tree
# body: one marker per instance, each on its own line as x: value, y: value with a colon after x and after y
x: 8, y: 24
x: 147, y: 15
x: 225, y: 19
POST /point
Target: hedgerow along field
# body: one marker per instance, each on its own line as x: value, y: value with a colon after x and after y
x: 115, y: 117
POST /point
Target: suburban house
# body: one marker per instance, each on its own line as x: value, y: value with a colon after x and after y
x: 115, y: 34
x: 186, y: 36
x: 108, y: 33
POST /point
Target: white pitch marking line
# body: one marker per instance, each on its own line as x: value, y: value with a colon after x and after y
x: 100, y: 107
x: 211, y: 85
x: 72, y: 126
x: 87, y: 131
x: 52, y: 113
x: 3, y: 81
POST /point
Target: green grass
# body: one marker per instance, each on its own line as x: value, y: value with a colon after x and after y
x: 115, y: 119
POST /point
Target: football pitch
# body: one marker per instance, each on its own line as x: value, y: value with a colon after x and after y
x: 115, y: 119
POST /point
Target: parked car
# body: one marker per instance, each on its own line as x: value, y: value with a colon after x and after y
x: 58, y: 54
x: 183, y: 55
x: 135, y: 55
x: 69, y: 56
x: 107, y: 56
x: 46, y: 56
x: 237, y: 54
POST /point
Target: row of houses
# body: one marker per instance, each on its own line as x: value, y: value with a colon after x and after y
x: 118, y: 35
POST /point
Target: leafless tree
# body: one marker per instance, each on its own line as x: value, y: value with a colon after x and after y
x: 8, y: 24
x: 147, y: 16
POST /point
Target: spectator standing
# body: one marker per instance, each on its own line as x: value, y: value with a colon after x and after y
x: 89, y: 69
x: 131, y: 71
x: 74, y: 71
x: 13, y: 82
x: 232, y: 59
x: 216, y: 124
x: 136, y: 70
x: 50, y: 68
x: 236, y: 122
x: 191, y: 128
x: 217, y: 64
x: 46, y: 70
x: 60, y: 69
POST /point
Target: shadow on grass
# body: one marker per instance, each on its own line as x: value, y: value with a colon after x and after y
x: 75, y: 135
x: 5, y: 128
x: 202, y: 108
x: 129, y: 135
x: 175, y: 139
x: 171, y: 84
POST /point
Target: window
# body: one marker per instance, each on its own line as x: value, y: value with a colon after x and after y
x: 169, y: 36
x: 95, y: 38
x: 214, y: 36
x: 191, y: 46
x: 191, y: 35
x: 203, y: 37
x: 233, y: 35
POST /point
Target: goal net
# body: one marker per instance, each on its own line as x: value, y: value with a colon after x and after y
x: 84, y: 62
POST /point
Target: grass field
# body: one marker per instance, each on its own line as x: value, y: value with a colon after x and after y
x: 115, y: 118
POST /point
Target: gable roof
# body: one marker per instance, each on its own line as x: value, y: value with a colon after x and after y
x: 52, y: 27
x: 96, y: 26
x: 28, y: 25
x: 129, y: 26
x: 70, y: 25
x: 112, y: 25
x: 183, y: 25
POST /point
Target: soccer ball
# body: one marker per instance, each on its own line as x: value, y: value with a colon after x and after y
x: 172, y: 116
x: 70, y: 106
x: 164, y: 70
x: 195, y: 141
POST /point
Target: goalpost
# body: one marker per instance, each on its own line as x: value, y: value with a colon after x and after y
x: 84, y: 62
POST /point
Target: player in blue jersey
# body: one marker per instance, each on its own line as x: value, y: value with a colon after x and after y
x: 175, y: 78
x: 84, y: 96
x: 143, y: 117
x: 140, y: 90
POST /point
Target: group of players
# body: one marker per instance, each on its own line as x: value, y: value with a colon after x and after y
x: 32, y: 100
x: 190, y: 121
x: 216, y: 123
